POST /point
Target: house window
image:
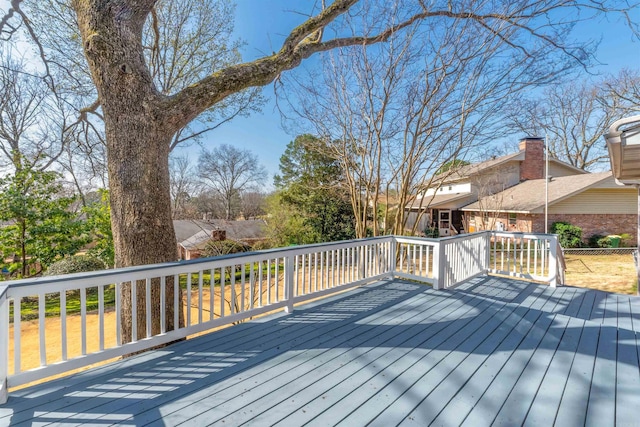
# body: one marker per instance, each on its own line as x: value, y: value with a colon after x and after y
x: 513, y: 219
x: 485, y: 219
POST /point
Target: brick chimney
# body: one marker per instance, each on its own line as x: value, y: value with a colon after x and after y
x: 218, y: 235
x: 532, y: 167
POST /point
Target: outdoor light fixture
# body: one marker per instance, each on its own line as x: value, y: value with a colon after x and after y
x: 623, y: 142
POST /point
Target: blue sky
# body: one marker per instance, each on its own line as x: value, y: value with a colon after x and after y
x: 265, y: 24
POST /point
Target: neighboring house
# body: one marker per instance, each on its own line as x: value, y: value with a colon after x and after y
x: 193, y: 235
x: 508, y: 193
x: 592, y: 201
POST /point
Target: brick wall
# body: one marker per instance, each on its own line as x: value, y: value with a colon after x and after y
x: 533, y: 165
x: 591, y: 224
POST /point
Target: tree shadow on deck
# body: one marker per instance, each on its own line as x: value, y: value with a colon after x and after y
x: 209, y: 376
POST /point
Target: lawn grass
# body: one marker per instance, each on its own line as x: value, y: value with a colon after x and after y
x: 611, y: 273
x: 29, y: 305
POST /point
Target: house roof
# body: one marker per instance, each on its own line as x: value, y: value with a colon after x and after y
x: 454, y: 201
x: 462, y: 172
x: 529, y: 196
x: 191, y: 234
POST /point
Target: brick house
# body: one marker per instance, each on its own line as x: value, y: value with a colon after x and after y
x: 592, y: 201
x: 508, y: 193
x: 193, y: 235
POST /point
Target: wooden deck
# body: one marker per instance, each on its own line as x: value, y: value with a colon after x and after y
x: 492, y: 352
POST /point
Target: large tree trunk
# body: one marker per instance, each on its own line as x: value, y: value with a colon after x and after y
x: 141, y: 211
x: 138, y: 139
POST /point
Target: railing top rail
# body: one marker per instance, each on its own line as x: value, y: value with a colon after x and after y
x: 464, y: 236
x: 177, y: 267
x: 440, y: 239
x: 3, y: 289
x: 523, y: 234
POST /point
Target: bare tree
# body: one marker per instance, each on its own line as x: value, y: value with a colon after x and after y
x: 394, y: 114
x: 229, y: 171
x: 183, y: 184
x: 623, y: 88
x: 574, y: 117
x: 31, y: 120
x: 140, y: 121
x: 253, y: 204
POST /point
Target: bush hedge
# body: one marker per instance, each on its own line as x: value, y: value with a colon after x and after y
x: 570, y: 236
x: 75, y: 264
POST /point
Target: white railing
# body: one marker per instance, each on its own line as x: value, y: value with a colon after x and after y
x: 83, y: 313
x: 526, y: 256
x: 417, y: 259
x: 443, y: 262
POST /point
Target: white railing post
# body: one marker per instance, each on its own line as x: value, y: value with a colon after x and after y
x: 4, y: 343
x: 288, y: 282
x: 438, y: 265
x: 392, y: 257
x: 553, y: 261
x: 362, y: 259
x: 487, y: 256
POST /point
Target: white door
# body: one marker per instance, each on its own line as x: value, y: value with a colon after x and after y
x: 444, y: 222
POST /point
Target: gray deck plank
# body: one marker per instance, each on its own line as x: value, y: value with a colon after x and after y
x: 451, y: 370
x: 547, y: 399
x: 601, y: 406
x: 315, y: 407
x: 610, y: 316
x: 440, y: 396
x: 623, y: 309
x: 575, y: 396
x: 627, y: 378
x: 470, y: 391
x: 420, y: 379
x: 494, y: 396
x: 634, y: 304
x: 516, y: 407
x: 598, y: 308
x: 587, y: 304
x: 573, y: 307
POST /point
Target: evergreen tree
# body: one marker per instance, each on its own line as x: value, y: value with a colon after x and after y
x: 312, y: 182
x: 39, y: 225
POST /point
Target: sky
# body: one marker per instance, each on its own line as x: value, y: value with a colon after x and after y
x: 263, y: 25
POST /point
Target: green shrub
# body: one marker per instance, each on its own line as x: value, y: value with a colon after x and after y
x: 262, y: 245
x: 432, y: 232
x: 75, y: 264
x: 604, y: 242
x: 570, y: 236
x: 224, y: 247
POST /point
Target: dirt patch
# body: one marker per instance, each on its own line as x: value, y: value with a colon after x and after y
x: 610, y: 273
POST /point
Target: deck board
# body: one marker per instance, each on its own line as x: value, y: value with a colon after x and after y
x: 494, y: 351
